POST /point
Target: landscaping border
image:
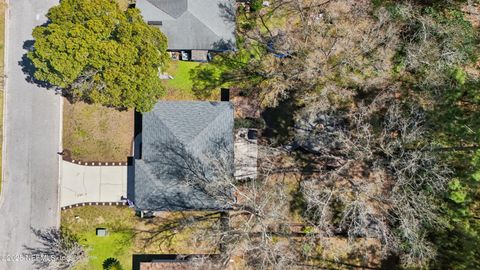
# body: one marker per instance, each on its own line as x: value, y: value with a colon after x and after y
x: 94, y: 203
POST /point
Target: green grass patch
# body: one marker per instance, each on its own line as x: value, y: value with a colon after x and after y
x: 180, y: 87
x: 116, y: 245
x: 127, y: 235
x: 119, y: 221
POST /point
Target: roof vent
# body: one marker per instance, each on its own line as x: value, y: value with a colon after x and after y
x: 154, y: 22
x: 224, y: 94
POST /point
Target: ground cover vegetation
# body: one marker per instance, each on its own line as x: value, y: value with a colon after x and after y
x: 99, y: 53
x: 378, y: 164
x: 92, y: 132
x: 180, y: 87
x: 127, y: 234
x: 371, y: 158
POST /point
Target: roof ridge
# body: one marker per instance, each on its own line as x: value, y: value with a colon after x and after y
x: 191, y: 13
x: 202, y: 131
x: 166, y: 126
x: 145, y: 167
x: 209, y: 124
x: 164, y: 5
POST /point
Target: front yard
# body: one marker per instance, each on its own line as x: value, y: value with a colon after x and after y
x: 127, y: 235
x: 118, y: 244
x: 97, y: 133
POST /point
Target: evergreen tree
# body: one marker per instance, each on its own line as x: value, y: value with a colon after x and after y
x: 101, y: 54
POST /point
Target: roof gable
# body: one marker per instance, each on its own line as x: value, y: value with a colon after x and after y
x: 174, y: 8
x: 193, y: 24
x: 175, y: 135
x: 187, y: 120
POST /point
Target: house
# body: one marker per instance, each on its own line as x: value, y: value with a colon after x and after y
x: 193, y: 27
x: 183, y: 154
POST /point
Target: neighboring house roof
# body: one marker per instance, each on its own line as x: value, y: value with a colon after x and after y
x: 193, y: 24
x: 176, y: 134
x: 172, y: 261
x: 165, y: 266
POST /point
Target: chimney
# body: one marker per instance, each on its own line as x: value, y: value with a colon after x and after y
x: 224, y: 94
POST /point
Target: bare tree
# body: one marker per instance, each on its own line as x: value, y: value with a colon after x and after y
x: 328, y: 43
x: 56, y: 250
x: 298, y: 47
x: 433, y: 44
x: 384, y: 183
x: 252, y: 216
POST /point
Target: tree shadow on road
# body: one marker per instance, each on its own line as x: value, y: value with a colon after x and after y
x: 55, y: 249
x: 28, y: 67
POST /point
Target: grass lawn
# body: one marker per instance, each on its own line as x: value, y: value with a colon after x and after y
x: 180, y: 87
x: 97, y: 133
x: 125, y: 237
x: 118, y: 244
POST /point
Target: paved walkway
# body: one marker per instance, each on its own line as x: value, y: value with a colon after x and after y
x: 82, y: 184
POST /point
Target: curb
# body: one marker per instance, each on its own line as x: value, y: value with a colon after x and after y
x: 66, y: 156
x: 78, y: 162
x: 94, y: 203
x: 4, y: 122
x: 60, y: 168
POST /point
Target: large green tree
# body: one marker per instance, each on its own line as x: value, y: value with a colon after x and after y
x: 101, y: 54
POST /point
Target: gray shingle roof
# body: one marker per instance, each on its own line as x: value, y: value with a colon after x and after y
x: 193, y: 24
x: 176, y: 135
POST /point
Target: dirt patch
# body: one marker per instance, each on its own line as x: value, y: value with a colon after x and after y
x: 124, y: 3
x: 97, y: 133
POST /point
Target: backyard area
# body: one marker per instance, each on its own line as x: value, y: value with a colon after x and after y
x: 126, y: 235
x: 97, y: 133
x: 180, y: 87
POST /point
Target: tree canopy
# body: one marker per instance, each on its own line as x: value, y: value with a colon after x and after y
x: 377, y: 103
x: 101, y: 54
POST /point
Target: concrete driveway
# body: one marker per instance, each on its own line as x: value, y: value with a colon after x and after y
x: 81, y: 184
x: 29, y: 197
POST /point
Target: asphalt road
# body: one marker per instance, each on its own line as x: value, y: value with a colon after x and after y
x: 29, y: 196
